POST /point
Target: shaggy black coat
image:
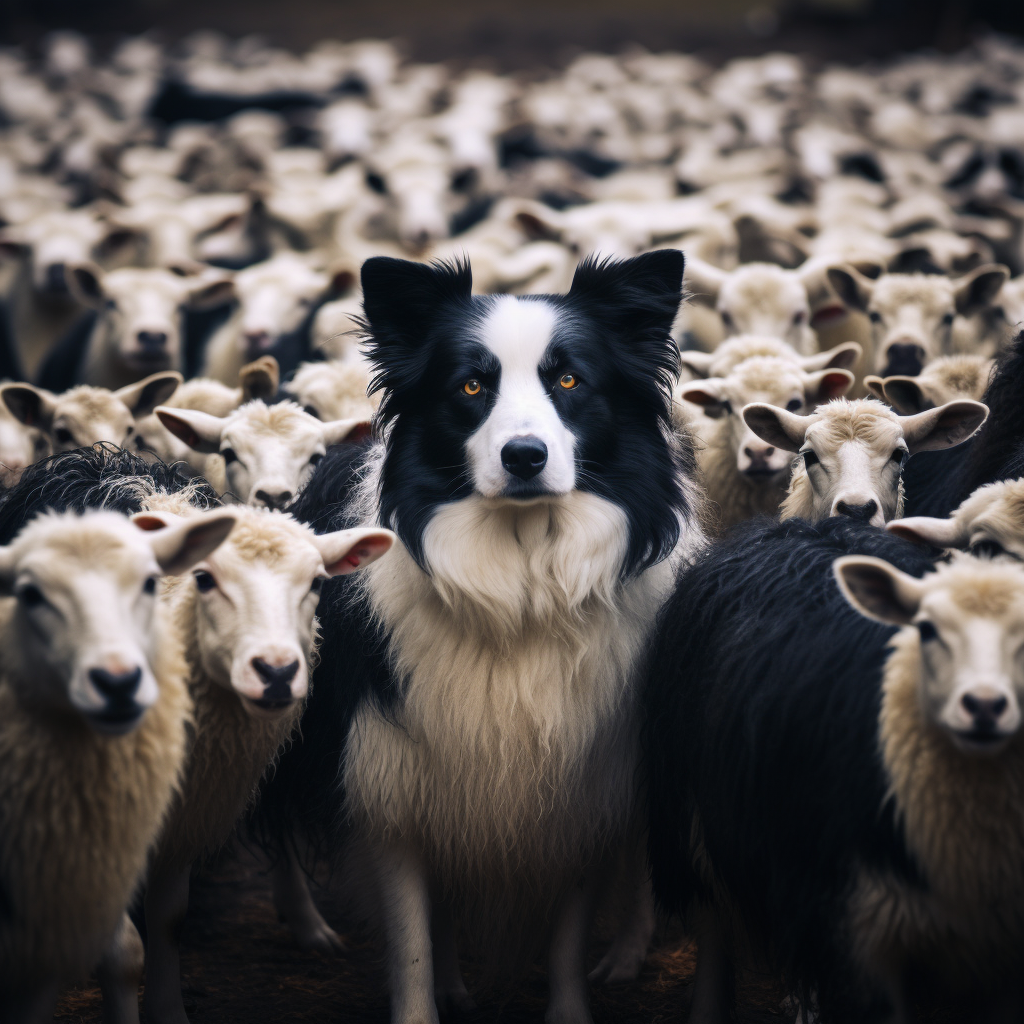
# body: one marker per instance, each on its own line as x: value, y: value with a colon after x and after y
x: 761, y: 719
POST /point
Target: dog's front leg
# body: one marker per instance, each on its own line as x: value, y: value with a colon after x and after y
x: 405, y: 913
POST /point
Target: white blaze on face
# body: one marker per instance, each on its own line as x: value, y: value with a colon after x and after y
x: 518, y: 332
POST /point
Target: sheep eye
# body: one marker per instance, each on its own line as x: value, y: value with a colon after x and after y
x: 204, y: 581
x: 315, y: 458
x: 987, y: 548
x: 798, y: 317
x: 63, y: 436
x: 149, y: 587
x: 472, y: 387
x: 568, y: 381
x: 317, y: 585
x: 110, y: 304
x: 31, y: 596
x: 927, y: 630
x: 947, y: 319
x: 794, y: 405
x: 228, y: 455
x: 129, y: 432
x: 899, y: 456
x: 726, y: 318
x: 312, y: 411
x: 998, y: 312
x: 810, y: 457
x: 875, y: 317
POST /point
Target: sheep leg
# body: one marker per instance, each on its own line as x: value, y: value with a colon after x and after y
x: 450, y: 992
x: 405, y: 914
x: 35, y: 1006
x: 625, y: 957
x: 119, y: 974
x: 294, y: 904
x: 712, y: 985
x: 166, y: 906
x: 569, y: 1002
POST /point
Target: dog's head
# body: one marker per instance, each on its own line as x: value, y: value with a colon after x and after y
x: 527, y: 399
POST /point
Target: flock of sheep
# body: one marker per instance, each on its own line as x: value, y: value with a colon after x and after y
x: 182, y: 234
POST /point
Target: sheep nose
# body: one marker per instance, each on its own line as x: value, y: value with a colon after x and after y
x: 120, y: 686
x: 56, y: 281
x: 276, y: 500
x: 276, y: 678
x: 256, y: 341
x: 524, y: 457
x: 152, y: 341
x: 759, y: 460
x: 985, y: 709
x: 904, y: 359
x: 863, y: 512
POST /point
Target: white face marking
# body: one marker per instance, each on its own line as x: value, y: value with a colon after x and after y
x: 518, y: 332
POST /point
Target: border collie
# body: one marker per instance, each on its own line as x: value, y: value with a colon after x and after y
x: 526, y: 462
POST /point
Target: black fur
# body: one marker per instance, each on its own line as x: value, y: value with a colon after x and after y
x: 62, y: 368
x: 101, y: 477
x: 422, y: 325
x: 761, y: 717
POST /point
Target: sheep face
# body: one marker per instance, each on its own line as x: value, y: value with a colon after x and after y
x: 85, y: 415
x: 84, y: 591
x: 20, y: 446
x: 989, y: 524
x: 964, y: 626
x: 912, y: 315
x: 269, y: 452
x: 256, y: 598
x: 943, y: 380
x: 767, y: 300
x: 140, y: 311
x: 852, y: 453
x: 770, y: 381
x: 332, y: 390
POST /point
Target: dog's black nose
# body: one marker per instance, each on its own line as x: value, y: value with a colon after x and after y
x: 120, y: 687
x: 524, y: 457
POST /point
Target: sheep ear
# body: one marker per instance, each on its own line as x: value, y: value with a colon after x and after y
x: 703, y: 281
x: 977, y: 289
x: 876, y: 385
x: 905, y: 395
x: 709, y: 396
x: 151, y: 521
x: 178, y: 547
x: 29, y: 405
x: 259, y: 379
x: 342, y: 280
x: 825, y: 385
x: 85, y: 282
x: 851, y: 286
x: 842, y: 357
x: 145, y: 395
x: 199, y: 430
x: 540, y: 223
x: 337, y: 431
x: 945, y: 427
x: 878, y: 590
x: 345, y: 551
x: 937, y: 533
x: 698, y: 363
x: 785, y: 430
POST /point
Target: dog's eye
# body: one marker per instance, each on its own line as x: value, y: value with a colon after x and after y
x: 63, y: 436
x: 794, y: 405
x: 149, y: 587
x: 568, y: 381
x: 927, y: 630
x: 31, y: 596
x: 228, y: 455
x: 204, y: 581
x: 810, y: 457
x: 472, y: 387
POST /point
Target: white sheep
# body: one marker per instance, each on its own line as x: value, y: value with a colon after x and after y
x: 262, y: 455
x: 941, y: 381
x: 20, y: 446
x: 733, y: 351
x: 852, y: 453
x: 745, y: 476
x: 247, y: 618
x: 84, y: 415
x: 333, y: 390
x: 93, y: 706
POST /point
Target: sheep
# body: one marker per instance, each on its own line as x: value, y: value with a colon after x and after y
x: 989, y: 523
x: 904, y: 741
x: 265, y: 454
x: 912, y: 315
x: 258, y: 379
x: 743, y: 475
x: 20, y: 446
x: 332, y: 390
x: 138, y: 326
x: 942, y: 380
x: 853, y: 453
x: 277, y: 300
x: 733, y: 351
x: 86, y: 415
x: 335, y: 331
x: 92, y: 735
x: 247, y: 614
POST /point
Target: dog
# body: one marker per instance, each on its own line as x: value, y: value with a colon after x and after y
x: 524, y: 457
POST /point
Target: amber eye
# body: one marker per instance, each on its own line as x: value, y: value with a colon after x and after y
x: 472, y: 387
x: 568, y: 381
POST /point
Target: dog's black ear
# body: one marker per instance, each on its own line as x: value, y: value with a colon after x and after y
x: 641, y: 294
